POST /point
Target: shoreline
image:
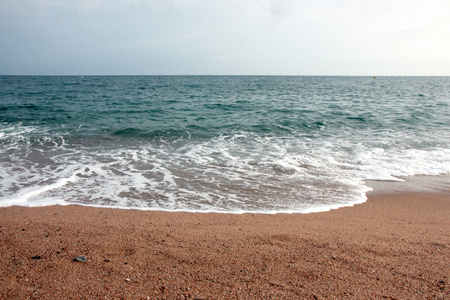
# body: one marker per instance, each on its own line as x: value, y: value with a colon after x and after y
x: 426, y: 184
x: 392, y: 246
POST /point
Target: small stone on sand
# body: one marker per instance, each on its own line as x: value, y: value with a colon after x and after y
x: 80, y: 259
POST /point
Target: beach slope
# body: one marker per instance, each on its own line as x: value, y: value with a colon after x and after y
x: 392, y: 246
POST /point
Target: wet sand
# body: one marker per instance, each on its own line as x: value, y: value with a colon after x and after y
x: 394, y: 246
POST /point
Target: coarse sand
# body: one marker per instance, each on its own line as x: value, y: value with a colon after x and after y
x: 391, y: 247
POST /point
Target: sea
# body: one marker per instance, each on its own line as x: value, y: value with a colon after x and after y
x: 228, y: 144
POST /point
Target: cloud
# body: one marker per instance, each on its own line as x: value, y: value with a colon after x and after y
x: 46, y: 3
x: 282, y: 8
x: 220, y: 57
x: 234, y: 36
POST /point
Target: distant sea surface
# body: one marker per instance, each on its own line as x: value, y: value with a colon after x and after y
x: 216, y: 143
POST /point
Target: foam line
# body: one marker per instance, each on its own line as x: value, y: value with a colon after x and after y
x: 23, y: 198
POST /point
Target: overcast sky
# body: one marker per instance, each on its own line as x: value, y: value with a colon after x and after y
x: 235, y: 37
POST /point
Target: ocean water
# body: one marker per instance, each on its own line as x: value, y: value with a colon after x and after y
x: 262, y: 144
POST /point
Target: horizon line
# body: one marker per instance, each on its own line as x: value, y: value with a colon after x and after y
x: 217, y: 75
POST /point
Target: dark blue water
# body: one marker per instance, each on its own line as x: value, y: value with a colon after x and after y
x: 225, y: 143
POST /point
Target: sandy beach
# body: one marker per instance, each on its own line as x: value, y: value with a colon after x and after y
x: 394, y: 246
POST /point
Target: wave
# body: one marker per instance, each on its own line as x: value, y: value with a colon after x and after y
x: 136, y: 132
x: 243, y: 144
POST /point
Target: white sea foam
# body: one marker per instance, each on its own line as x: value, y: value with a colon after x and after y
x: 30, y: 196
x: 234, y: 174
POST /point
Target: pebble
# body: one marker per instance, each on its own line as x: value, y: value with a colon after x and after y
x: 80, y: 259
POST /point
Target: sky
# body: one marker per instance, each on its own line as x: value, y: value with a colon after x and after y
x: 225, y: 37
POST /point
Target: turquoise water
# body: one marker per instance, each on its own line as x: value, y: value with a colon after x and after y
x: 217, y: 143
